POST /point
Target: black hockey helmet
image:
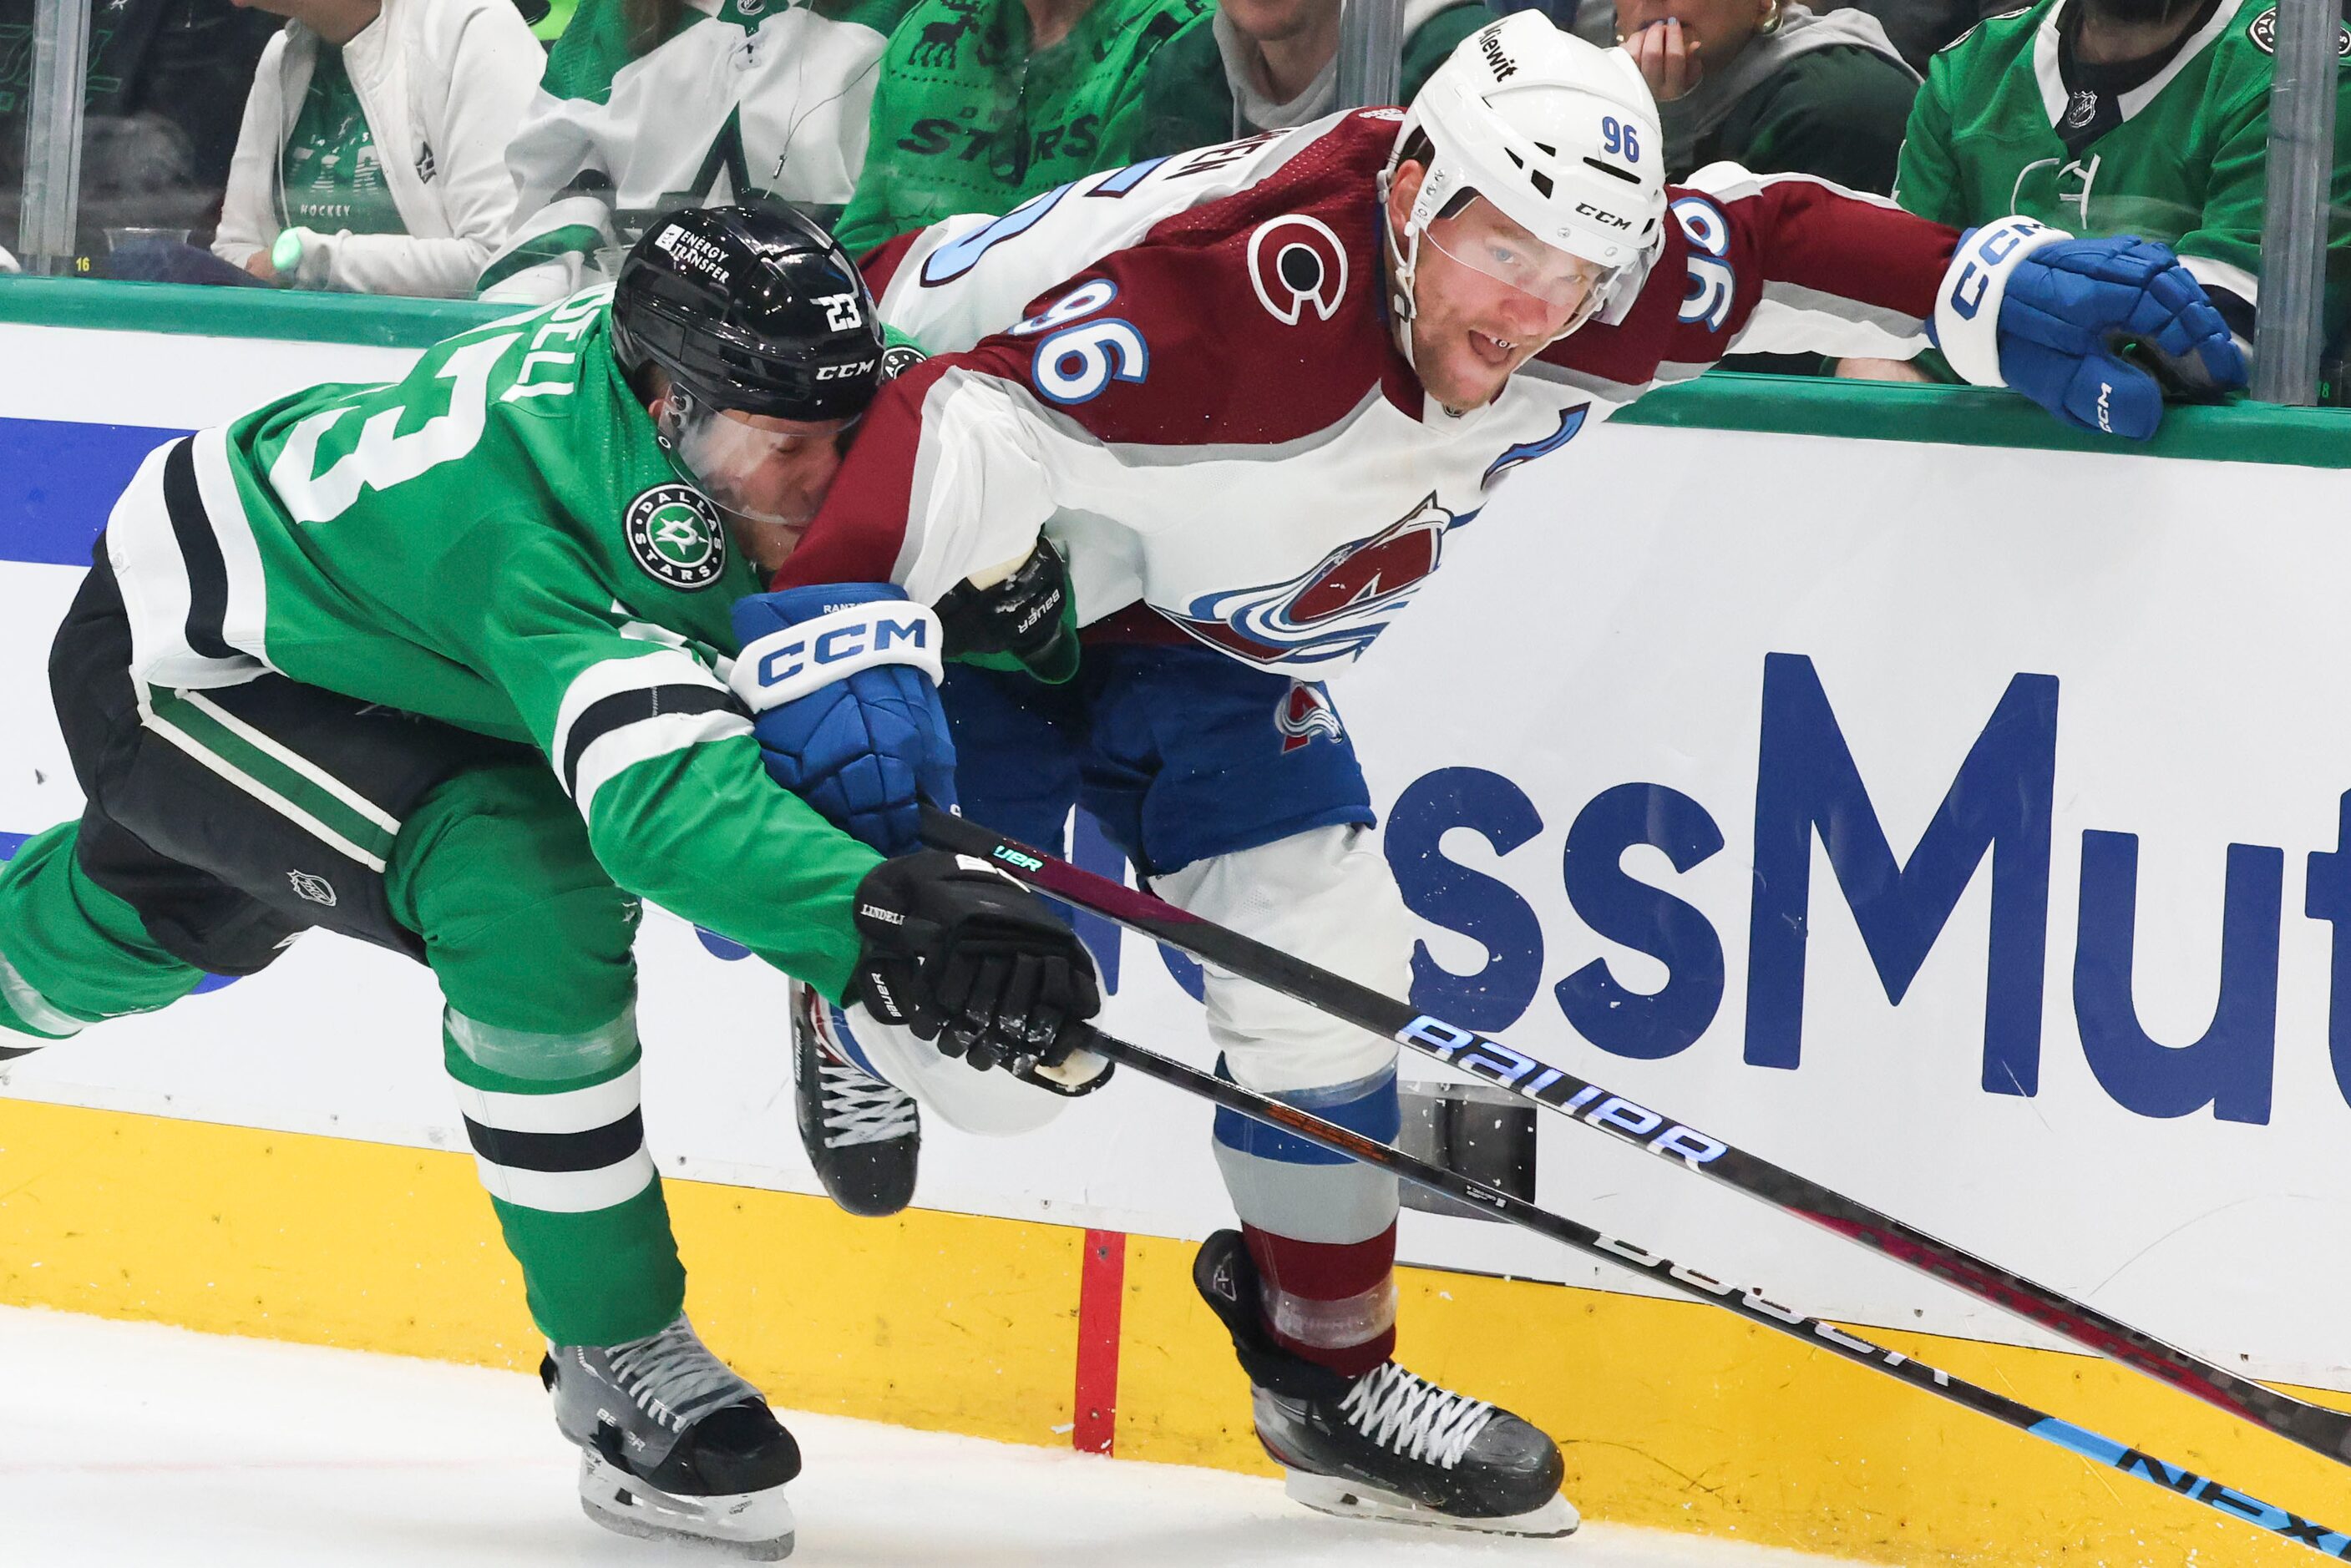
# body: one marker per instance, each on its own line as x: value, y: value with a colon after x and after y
x: 751, y: 308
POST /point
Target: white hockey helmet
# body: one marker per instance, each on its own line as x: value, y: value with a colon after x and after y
x: 1560, y: 135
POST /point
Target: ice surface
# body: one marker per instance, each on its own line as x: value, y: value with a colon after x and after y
x: 137, y: 1446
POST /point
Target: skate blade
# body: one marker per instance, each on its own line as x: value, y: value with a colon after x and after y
x: 754, y: 1525
x: 1352, y: 1500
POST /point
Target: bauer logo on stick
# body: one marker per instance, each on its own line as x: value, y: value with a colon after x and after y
x: 675, y: 534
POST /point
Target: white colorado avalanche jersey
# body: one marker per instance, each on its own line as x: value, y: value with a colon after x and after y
x: 1183, y: 374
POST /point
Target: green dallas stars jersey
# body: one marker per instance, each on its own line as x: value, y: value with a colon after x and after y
x: 499, y: 541
x: 2006, y: 124
x: 970, y: 116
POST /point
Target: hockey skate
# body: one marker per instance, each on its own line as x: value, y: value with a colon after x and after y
x: 672, y: 1444
x: 862, y: 1135
x: 1387, y: 1444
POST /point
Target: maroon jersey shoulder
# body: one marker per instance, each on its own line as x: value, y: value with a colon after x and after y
x: 1629, y: 350
x: 1836, y: 257
x: 1254, y: 319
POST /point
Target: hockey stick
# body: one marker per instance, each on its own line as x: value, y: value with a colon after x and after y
x: 2313, y: 1427
x: 1747, y: 1303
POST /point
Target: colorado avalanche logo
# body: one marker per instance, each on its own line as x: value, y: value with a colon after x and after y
x: 1305, y: 713
x: 1331, y: 613
x: 1294, y: 262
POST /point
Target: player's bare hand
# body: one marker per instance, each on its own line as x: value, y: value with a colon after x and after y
x: 1880, y: 370
x: 1667, y: 56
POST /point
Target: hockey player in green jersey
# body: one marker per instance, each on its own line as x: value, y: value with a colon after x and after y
x: 985, y: 103
x: 648, y: 106
x: 442, y: 665
x: 2108, y: 117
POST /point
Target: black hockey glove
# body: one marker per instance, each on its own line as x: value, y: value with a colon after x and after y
x: 1028, y: 618
x: 966, y: 957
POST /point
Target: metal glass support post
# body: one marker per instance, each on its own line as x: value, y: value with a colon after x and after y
x: 53, y: 134
x: 2294, y: 224
x: 1371, y: 52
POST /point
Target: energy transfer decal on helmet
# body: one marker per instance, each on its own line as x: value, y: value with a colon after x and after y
x: 673, y: 532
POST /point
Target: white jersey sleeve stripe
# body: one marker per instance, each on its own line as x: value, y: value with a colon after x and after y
x: 1792, y: 318
x: 612, y: 754
x: 247, y: 620
x: 616, y: 676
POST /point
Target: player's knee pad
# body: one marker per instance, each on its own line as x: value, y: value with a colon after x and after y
x: 991, y: 1104
x: 1328, y: 897
x: 521, y: 924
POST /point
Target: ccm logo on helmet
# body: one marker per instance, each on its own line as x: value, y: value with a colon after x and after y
x: 1600, y: 215
x: 1295, y: 260
x: 843, y: 372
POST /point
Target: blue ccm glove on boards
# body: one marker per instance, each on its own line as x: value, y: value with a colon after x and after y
x: 842, y: 684
x: 2029, y: 306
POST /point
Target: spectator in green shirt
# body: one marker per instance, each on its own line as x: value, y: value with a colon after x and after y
x: 2107, y: 117
x: 1268, y: 65
x: 1772, y: 86
x: 985, y: 103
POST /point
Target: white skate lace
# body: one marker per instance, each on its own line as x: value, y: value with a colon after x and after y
x: 673, y: 1377
x: 862, y: 1108
x: 1413, y: 1417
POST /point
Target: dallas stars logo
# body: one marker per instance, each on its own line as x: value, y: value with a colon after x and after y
x: 673, y: 532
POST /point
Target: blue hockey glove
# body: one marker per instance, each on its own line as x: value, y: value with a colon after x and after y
x: 2027, y: 306
x: 842, y: 684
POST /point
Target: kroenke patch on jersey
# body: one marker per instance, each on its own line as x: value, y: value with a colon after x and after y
x: 673, y: 532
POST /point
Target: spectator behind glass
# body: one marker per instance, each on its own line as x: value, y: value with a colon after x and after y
x: 985, y: 103
x: 2106, y: 117
x: 160, y: 116
x: 1268, y: 65
x: 1916, y: 28
x: 373, y: 156
x: 1774, y: 86
x: 653, y: 105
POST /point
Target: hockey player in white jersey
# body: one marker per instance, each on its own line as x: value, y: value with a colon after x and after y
x: 1249, y: 395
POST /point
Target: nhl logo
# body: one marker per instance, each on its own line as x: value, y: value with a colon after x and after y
x: 2082, y: 110
x: 315, y: 889
x: 673, y: 532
